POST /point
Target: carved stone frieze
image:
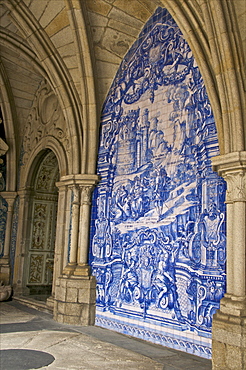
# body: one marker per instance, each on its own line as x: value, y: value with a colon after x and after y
x: 45, y: 119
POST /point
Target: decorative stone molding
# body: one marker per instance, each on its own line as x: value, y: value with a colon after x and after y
x: 45, y: 119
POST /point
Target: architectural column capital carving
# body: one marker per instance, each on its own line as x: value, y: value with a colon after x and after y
x: 76, y: 194
x: 9, y: 196
x: 86, y: 191
x: 232, y: 167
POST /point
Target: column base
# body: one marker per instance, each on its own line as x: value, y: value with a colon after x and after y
x: 75, y: 300
x: 69, y: 269
x: 229, y: 334
x: 50, y: 303
x: 20, y: 290
x: 5, y: 270
x: 82, y: 270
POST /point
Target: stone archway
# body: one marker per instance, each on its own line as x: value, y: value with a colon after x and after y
x: 42, y: 216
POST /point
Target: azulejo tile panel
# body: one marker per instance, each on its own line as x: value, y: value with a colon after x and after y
x: 158, y: 215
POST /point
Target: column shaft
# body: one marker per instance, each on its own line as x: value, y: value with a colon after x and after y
x: 75, y: 226
x: 85, y: 207
x: 229, y: 248
x: 10, y: 198
x: 239, y: 250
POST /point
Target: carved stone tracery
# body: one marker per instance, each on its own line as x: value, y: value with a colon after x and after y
x: 45, y: 119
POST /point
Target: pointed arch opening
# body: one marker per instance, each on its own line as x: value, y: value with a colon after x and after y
x: 41, y: 234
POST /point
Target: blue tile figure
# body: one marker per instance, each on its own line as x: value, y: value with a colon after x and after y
x: 158, y: 216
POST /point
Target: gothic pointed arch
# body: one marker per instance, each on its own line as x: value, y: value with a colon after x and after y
x: 42, y: 215
x: 59, y: 78
x: 9, y: 118
x: 45, y: 128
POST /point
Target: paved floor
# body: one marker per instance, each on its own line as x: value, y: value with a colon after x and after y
x: 30, y: 339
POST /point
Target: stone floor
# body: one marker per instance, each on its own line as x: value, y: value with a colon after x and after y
x: 31, y: 339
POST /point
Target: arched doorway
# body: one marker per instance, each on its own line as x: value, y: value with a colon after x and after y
x: 42, y: 226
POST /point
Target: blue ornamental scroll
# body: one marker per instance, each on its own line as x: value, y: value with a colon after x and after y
x: 158, y: 216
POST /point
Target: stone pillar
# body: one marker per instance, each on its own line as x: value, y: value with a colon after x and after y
x: 4, y: 261
x: 69, y: 269
x: 20, y: 273
x: 229, y: 322
x: 75, y: 290
x: 85, y: 208
x: 61, y: 237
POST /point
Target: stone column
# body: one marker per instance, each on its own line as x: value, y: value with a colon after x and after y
x: 61, y: 238
x: 85, y: 208
x: 4, y: 261
x: 69, y: 269
x: 75, y: 291
x: 22, y: 241
x: 229, y: 322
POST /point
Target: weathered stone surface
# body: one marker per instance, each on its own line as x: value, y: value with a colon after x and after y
x: 51, y: 12
x: 72, y: 295
x: 107, y: 69
x: 100, y: 7
x: 219, y: 358
x: 73, y: 309
x: 122, y: 28
x: 75, y: 300
x: 133, y: 8
x: 229, y: 341
x: 151, y: 5
x: 63, y: 37
x: 97, y: 34
x: 117, y: 42
x: 87, y: 295
x: 97, y: 20
x: 120, y: 16
x: 37, y: 8
x: 59, y: 22
x: 106, y: 56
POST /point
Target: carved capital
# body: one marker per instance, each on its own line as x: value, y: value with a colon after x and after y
x: 76, y: 194
x: 9, y: 196
x: 232, y: 167
x: 236, y: 186
x: 86, y: 191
